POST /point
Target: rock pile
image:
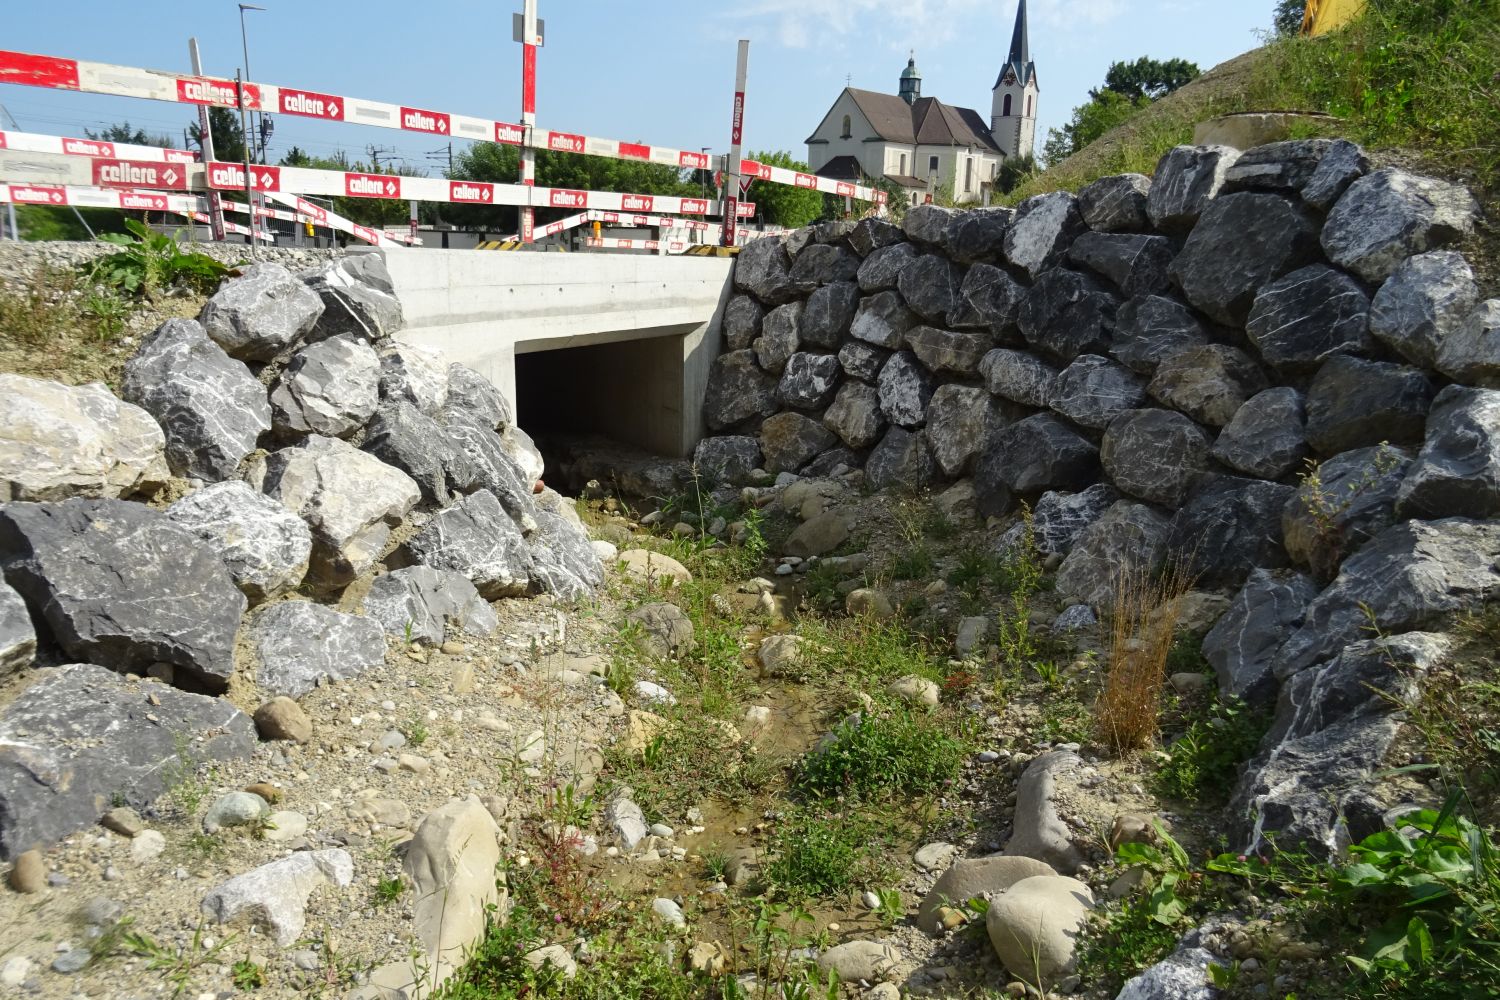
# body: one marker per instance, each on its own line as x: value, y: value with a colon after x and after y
x: 1148, y: 364
x: 309, y: 449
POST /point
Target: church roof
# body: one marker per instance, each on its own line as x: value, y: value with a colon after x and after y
x: 1019, y: 60
x: 841, y: 168
x: 926, y: 121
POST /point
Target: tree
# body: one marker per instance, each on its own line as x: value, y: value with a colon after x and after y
x: 781, y: 204
x: 1089, y: 122
x: 296, y: 157
x: 1287, y: 19
x: 121, y: 132
x: 1013, y: 172
x: 1147, y: 77
x: 229, y: 138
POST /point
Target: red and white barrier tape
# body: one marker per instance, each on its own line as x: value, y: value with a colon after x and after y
x: 615, y: 243
x: 33, y: 142
x: 156, y: 85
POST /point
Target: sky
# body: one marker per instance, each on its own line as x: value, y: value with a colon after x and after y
x: 652, y: 71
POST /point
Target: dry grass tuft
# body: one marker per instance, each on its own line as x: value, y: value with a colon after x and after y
x: 1141, y: 632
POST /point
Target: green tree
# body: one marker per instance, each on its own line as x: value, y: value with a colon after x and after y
x: 1089, y: 122
x: 1287, y: 18
x: 229, y: 138
x: 296, y: 157
x: 781, y: 204
x: 1147, y: 77
x: 121, y: 132
x: 1013, y: 172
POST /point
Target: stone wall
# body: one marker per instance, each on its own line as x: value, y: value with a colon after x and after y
x: 1149, y: 364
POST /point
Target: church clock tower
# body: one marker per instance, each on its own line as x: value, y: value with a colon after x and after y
x: 1013, y: 100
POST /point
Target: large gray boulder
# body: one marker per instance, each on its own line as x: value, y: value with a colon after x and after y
x: 17, y: 636
x: 1150, y: 329
x: 1187, y: 180
x: 1285, y: 167
x: 297, y: 645
x: 1136, y: 263
x: 821, y: 264
x: 809, y: 381
x: 274, y: 895
x: 418, y: 602
x: 1018, y: 376
x: 1353, y: 403
x: 1424, y: 301
x: 929, y: 224
x: 1043, y: 228
x: 1388, y: 215
x: 411, y: 373
x: 1228, y: 527
x: 861, y: 360
x: 405, y: 438
x: 356, y: 303
x: 1350, y: 499
x: 1066, y: 314
x: 737, y: 391
x: 978, y: 234
x: 1155, y: 455
x: 264, y: 546
x: 564, y: 563
x: 260, y: 314
x: 350, y: 500
x: 80, y: 739
x: 855, y: 415
x: 883, y: 319
x: 58, y: 441
x: 791, y: 440
x: 1030, y: 457
x: 1309, y: 315
x: 869, y: 235
x: 478, y: 539
x: 930, y: 285
x: 1058, y: 518
x: 763, y: 269
x: 948, y: 350
x: 905, y: 389
x: 1040, y: 833
x: 1267, y: 436
x: 489, y: 456
x: 1093, y: 390
x: 1457, y: 472
x: 1311, y: 784
x: 728, y: 458
x: 477, y: 399
x: 779, y: 337
x: 120, y: 584
x: 902, y: 459
x: 960, y: 420
x: 1471, y: 351
x: 210, y: 407
x: 882, y: 268
x: 1242, y: 242
x: 740, y: 324
x: 1116, y: 204
x: 1242, y: 644
x: 988, y: 299
x: 1342, y: 164
x: 827, y: 314
x: 1209, y: 383
x: 1409, y: 576
x: 330, y: 388
x: 1130, y: 537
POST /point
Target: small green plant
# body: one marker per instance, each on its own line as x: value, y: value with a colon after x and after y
x: 109, y: 311
x: 1327, y: 507
x: 916, y: 563
x: 891, y: 909
x: 416, y: 733
x: 939, y: 527
x: 570, y: 807
x: 973, y: 569
x: 149, y: 263
x: 902, y: 753
x: 185, y: 788
x: 387, y: 890
x: 1203, y: 763
x: 247, y: 975
x: 715, y: 864
x: 176, y: 966
x: 815, y: 853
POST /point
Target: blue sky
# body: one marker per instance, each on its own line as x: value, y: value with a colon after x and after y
x: 654, y: 71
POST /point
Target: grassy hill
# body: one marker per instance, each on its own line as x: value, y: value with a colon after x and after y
x: 1417, y: 82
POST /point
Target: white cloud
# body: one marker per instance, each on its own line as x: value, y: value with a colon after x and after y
x: 1072, y: 13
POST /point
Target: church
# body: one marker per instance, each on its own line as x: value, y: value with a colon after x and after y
x: 923, y: 145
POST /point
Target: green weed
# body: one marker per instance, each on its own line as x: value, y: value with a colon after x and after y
x: 387, y: 890
x: 814, y: 852
x: 1204, y: 762
x: 903, y: 753
x: 915, y: 563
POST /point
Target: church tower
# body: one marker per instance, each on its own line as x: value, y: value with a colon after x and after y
x: 1013, y: 101
x: 911, y: 81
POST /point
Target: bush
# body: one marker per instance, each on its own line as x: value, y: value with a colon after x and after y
x: 905, y: 753
x: 813, y: 853
x: 1204, y: 762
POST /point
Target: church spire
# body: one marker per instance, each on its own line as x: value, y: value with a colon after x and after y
x: 1019, y: 59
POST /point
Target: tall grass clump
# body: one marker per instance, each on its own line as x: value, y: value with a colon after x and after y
x: 1142, y: 629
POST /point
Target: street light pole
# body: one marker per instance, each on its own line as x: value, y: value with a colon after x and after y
x: 245, y: 47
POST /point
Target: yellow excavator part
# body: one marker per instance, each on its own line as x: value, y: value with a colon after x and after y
x: 1323, y: 16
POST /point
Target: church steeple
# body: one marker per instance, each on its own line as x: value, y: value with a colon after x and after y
x: 1019, y: 59
x: 1013, y: 99
x: 911, y: 81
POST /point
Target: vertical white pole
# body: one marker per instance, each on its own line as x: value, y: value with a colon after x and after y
x: 528, y: 113
x: 239, y: 88
x: 215, y: 200
x: 413, y: 220
x: 736, y: 136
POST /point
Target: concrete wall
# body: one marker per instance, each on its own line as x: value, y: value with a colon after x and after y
x: 483, y: 308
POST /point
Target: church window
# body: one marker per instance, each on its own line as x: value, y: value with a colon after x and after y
x: 969, y: 175
x: 847, y: 130
x: 932, y: 164
x: 901, y: 165
x: 1007, y: 105
x: 1028, y: 105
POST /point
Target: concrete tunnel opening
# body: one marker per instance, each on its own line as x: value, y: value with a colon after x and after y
x: 581, y: 404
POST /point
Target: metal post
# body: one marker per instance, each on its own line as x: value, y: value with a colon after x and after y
x: 736, y: 135
x: 239, y: 89
x: 528, y: 113
x: 205, y: 129
x: 414, y: 220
